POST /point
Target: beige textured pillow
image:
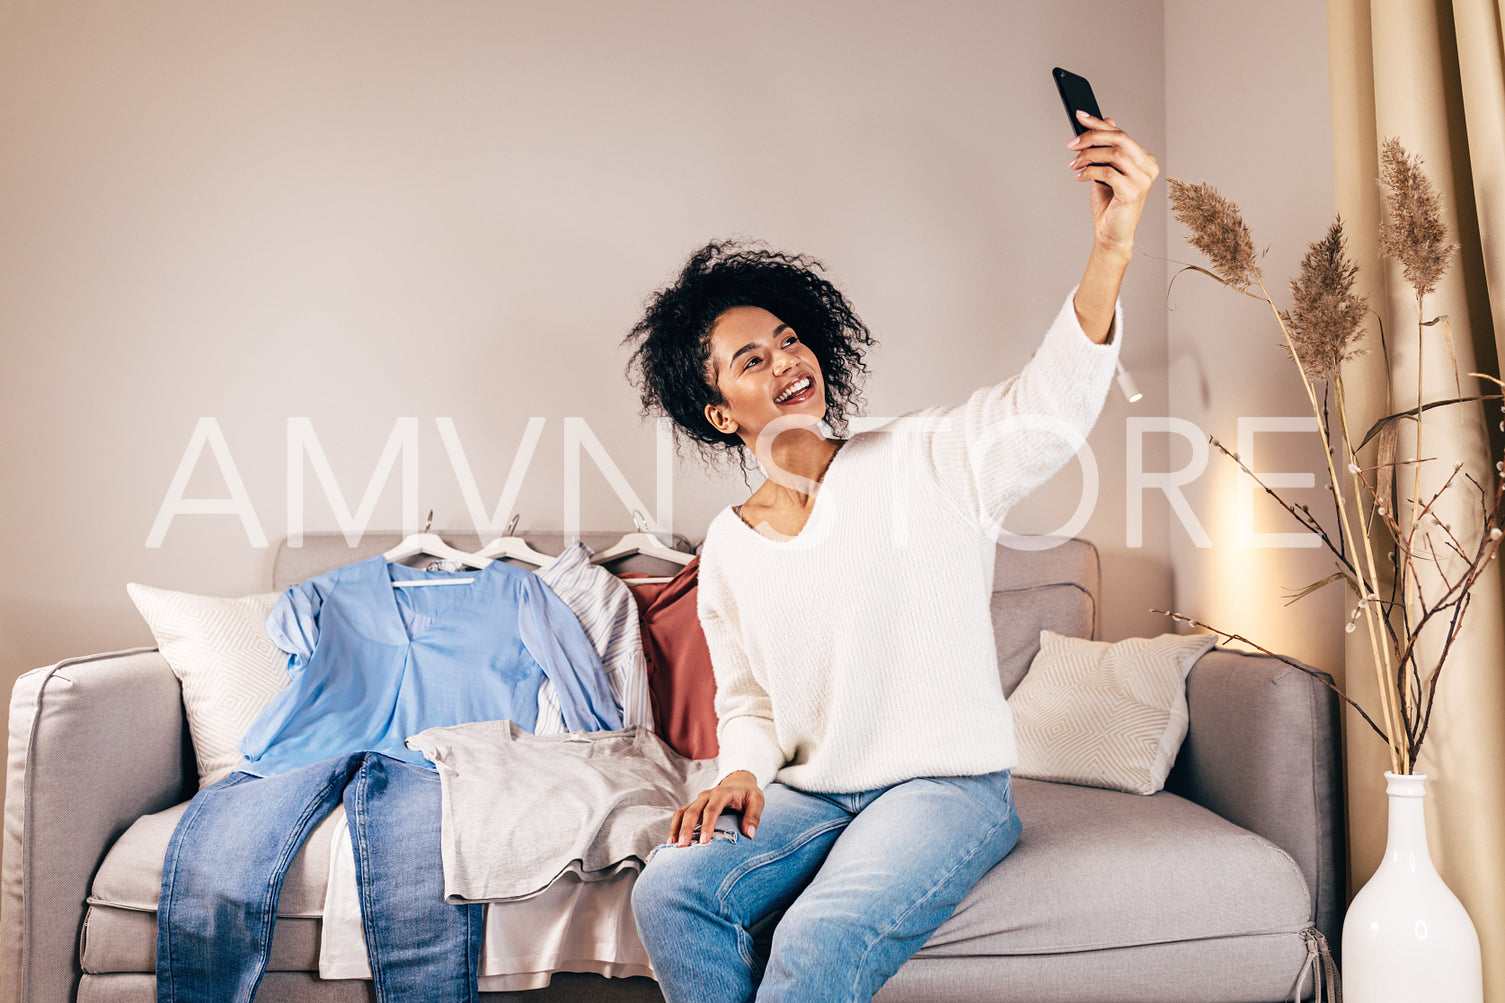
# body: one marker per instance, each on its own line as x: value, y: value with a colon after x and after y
x: 229, y: 667
x: 1105, y: 715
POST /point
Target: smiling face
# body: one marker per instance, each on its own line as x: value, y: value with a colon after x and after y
x: 762, y: 371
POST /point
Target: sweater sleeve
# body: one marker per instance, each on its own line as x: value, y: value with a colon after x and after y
x: 745, y: 730
x: 1005, y: 440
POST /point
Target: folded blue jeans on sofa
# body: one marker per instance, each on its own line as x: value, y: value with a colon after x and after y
x: 232, y: 847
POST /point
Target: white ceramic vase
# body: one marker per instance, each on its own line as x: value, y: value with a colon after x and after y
x: 1406, y: 937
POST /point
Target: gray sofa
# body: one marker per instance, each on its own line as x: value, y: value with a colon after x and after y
x: 1207, y: 891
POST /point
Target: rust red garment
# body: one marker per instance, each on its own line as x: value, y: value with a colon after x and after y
x: 679, y: 663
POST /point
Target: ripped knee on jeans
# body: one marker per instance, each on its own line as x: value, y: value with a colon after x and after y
x: 726, y: 828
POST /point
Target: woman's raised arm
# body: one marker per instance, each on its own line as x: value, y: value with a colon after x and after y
x: 1121, y: 172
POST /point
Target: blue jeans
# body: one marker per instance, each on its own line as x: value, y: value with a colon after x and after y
x: 232, y: 847
x: 864, y: 879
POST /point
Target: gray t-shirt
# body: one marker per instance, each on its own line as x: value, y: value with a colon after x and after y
x: 520, y: 809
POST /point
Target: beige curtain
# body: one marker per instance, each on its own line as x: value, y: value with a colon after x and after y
x: 1429, y: 72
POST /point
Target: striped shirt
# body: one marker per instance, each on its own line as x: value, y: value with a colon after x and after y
x: 609, y: 616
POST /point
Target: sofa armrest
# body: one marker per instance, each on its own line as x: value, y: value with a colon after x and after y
x: 1263, y: 751
x: 95, y: 743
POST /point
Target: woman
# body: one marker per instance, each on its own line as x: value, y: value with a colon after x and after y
x: 865, y: 740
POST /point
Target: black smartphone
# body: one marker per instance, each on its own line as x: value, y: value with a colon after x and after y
x: 1076, y: 95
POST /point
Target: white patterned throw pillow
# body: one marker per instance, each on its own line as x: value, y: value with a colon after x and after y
x: 1105, y: 715
x: 229, y: 667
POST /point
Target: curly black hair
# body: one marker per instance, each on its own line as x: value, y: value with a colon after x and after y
x: 671, y: 365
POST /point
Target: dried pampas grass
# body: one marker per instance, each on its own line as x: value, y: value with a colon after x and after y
x: 1217, y: 230
x: 1413, y: 231
x: 1322, y: 331
x: 1326, y: 313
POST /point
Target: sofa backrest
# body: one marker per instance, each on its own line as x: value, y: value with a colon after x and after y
x: 323, y: 552
x: 1056, y: 587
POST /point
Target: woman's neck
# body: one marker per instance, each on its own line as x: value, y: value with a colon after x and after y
x: 795, y: 465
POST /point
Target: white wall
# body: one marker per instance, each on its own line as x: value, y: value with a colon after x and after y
x: 360, y: 212
x: 1247, y: 110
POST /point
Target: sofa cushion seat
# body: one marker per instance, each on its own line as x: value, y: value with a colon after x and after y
x: 1095, y: 871
x: 120, y: 929
x: 130, y: 876
x: 1112, y: 897
x: 125, y: 940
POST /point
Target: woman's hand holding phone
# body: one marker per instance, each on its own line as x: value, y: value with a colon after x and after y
x: 1121, y: 173
x: 1125, y: 171
x: 1122, y: 169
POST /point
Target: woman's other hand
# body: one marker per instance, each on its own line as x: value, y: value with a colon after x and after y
x: 1108, y: 154
x: 737, y: 792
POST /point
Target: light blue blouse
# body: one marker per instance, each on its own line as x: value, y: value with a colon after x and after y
x: 371, y: 663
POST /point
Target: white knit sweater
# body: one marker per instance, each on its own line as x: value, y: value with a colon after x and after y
x: 860, y: 652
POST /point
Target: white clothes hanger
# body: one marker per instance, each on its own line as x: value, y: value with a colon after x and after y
x: 641, y: 542
x: 508, y: 545
x: 431, y: 544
